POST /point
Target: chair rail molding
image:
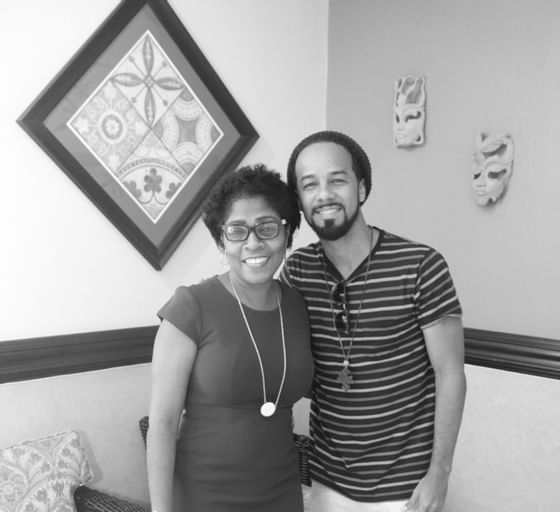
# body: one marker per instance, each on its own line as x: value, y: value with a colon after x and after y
x: 513, y: 352
x: 35, y: 358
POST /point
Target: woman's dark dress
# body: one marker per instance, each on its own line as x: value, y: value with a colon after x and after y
x: 229, y: 457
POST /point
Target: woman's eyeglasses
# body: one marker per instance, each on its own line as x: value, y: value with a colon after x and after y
x: 263, y: 230
x: 342, y: 318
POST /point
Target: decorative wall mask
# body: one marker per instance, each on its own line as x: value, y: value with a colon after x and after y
x: 409, y: 111
x: 493, y: 166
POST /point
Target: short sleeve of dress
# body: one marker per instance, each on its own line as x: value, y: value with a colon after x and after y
x: 435, y: 293
x: 183, y: 311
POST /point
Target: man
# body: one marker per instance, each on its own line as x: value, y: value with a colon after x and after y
x: 387, y: 341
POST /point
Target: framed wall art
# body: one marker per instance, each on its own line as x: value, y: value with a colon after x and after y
x: 142, y: 124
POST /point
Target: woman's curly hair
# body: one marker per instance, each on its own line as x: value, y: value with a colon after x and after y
x: 246, y: 183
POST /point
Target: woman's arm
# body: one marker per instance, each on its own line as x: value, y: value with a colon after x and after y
x: 172, y: 361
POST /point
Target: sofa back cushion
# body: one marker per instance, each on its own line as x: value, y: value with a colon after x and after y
x: 41, y: 475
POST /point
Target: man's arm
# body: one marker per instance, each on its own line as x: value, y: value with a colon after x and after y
x: 445, y: 345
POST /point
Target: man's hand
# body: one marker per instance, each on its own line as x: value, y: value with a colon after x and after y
x: 429, y: 495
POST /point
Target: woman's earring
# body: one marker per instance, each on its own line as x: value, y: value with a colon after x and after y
x: 223, y: 258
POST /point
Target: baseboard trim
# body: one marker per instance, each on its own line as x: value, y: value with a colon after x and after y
x: 36, y: 358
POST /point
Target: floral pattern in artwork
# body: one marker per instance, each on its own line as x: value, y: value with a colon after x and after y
x: 146, y: 127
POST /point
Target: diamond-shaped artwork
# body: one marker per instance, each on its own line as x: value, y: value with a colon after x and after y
x: 146, y: 127
x: 141, y: 122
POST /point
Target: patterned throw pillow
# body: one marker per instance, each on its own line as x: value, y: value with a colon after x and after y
x: 41, y: 475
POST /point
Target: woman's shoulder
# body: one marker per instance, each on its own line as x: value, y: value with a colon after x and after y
x: 208, y: 284
x: 196, y: 293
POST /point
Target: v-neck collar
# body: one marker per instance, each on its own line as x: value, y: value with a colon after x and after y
x: 333, y: 271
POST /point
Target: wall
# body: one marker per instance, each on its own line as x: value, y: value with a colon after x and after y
x: 489, y: 66
x: 65, y: 259
x: 64, y: 267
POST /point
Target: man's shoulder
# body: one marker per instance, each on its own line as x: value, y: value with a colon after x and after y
x: 396, y: 248
x: 302, y: 263
x: 399, y: 242
x: 307, y: 252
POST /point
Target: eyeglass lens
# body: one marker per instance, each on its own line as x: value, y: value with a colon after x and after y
x: 342, y: 318
x: 263, y: 230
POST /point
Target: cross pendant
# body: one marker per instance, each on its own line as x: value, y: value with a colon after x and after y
x: 345, y: 377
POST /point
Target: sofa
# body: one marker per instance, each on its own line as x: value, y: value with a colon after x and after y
x: 50, y: 474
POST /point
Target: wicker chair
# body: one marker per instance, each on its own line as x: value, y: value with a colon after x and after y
x: 91, y: 500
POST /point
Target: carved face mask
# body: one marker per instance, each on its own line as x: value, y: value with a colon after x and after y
x: 493, y: 166
x: 409, y: 111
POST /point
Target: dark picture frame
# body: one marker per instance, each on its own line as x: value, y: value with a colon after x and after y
x: 139, y: 120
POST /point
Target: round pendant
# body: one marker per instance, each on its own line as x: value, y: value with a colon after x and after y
x: 268, y: 409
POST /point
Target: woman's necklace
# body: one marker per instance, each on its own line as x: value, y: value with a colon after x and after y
x: 345, y: 375
x: 267, y: 408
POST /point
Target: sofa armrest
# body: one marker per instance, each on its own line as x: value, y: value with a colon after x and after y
x: 90, y: 500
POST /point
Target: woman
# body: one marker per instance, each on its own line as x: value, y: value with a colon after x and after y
x: 233, y: 352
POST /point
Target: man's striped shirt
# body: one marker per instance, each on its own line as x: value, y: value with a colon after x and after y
x: 373, y: 442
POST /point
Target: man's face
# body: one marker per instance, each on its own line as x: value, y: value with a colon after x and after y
x: 328, y: 189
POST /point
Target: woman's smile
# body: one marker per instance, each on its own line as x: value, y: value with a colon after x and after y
x: 256, y: 261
